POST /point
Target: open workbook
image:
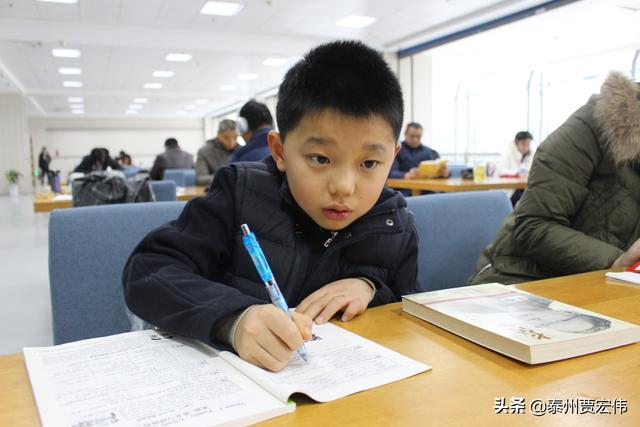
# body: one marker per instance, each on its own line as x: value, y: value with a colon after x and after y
x: 524, y: 326
x: 147, y: 378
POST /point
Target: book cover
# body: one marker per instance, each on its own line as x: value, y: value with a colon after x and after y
x: 524, y: 326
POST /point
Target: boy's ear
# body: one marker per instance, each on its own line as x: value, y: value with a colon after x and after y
x: 277, y: 149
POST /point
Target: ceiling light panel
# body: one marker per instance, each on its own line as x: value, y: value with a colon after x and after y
x: 355, y: 21
x: 71, y: 84
x: 178, y: 57
x: 153, y: 85
x: 275, y: 62
x: 163, y: 73
x: 221, y: 8
x: 66, y: 53
x: 247, y: 76
x: 70, y: 71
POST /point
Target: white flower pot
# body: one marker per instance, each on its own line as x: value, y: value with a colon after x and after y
x: 13, y: 190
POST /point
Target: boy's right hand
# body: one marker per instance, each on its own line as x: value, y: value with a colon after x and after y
x: 266, y: 336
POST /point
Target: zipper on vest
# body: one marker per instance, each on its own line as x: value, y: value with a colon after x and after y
x: 330, y: 239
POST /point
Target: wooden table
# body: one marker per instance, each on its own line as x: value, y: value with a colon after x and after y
x: 465, y: 380
x: 48, y: 203
x: 456, y: 184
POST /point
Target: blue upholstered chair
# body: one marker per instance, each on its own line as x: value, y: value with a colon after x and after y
x: 456, y: 170
x: 182, y: 177
x: 130, y: 171
x: 165, y: 191
x: 88, y: 247
x: 454, y: 228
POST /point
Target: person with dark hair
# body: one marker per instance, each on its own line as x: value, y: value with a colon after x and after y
x: 412, y: 153
x: 581, y: 207
x: 98, y: 160
x: 172, y: 158
x: 336, y: 238
x: 516, y: 160
x: 254, y: 124
x: 216, y: 152
x: 124, y: 159
x: 44, y: 159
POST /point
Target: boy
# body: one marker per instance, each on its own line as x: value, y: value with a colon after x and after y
x: 335, y: 238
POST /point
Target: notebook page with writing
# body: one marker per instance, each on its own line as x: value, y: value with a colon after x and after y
x: 340, y: 363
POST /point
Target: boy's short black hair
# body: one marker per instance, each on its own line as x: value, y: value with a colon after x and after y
x: 257, y: 115
x: 347, y: 76
x: 523, y: 135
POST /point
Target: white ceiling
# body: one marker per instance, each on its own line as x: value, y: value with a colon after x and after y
x: 124, y: 41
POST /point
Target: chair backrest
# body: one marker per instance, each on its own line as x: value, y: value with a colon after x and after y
x: 165, y: 191
x: 88, y: 247
x: 456, y: 170
x: 182, y: 177
x: 130, y: 171
x: 453, y: 229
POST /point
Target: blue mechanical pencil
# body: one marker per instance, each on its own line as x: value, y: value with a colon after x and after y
x: 259, y: 260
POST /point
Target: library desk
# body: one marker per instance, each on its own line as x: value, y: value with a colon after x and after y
x: 466, y: 379
x: 456, y: 184
x: 46, y: 202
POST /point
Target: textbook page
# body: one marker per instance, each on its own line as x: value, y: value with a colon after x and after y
x: 143, y: 378
x: 339, y: 363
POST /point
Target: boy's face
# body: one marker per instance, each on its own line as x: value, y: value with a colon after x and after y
x: 336, y: 165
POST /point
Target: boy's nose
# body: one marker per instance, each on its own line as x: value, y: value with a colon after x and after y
x: 342, y: 184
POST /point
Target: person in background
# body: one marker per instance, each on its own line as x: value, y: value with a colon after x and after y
x: 216, y: 152
x: 44, y: 159
x: 581, y: 210
x: 124, y: 159
x: 517, y: 159
x: 172, y: 158
x: 412, y: 153
x: 254, y: 124
x: 98, y: 160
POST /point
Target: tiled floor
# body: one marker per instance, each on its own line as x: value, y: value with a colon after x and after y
x: 25, y: 311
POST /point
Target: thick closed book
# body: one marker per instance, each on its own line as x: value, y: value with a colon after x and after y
x: 151, y: 379
x: 521, y: 325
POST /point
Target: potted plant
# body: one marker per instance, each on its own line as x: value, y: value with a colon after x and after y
x: 13, y: 176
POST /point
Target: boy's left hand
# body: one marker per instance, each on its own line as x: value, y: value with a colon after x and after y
x: 352, y: 296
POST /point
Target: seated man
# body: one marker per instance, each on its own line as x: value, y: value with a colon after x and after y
x: 581, y: 208
x: 517, y: 159
x: 412, y: 153
x: 172, y: 158
x: 254, y: 124
x: 216, y: 152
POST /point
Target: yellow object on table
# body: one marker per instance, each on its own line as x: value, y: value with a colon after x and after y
x: 432, y: 168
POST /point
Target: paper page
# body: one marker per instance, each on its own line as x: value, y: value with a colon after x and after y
x: 340, y: 363
x: 142, y: 378
x: 626, y: 276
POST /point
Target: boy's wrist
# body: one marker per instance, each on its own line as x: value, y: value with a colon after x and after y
x: 371, y: 285
x: 234, y: 328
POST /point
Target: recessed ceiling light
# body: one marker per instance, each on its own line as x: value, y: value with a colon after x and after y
x: 221, y: 8
x: 77, y: 111
x: 140, y: 100
x: 355, y: 21
x: 189, y: 107
x: 153, y: 85
x: 181, y: 112
x: 76, y: 106
x: 60, y: 1
x: 131, y: 112
x: 70, y: 71
x: 202, y: 101
x: 75, y: 99
x: 66, y: 53
x: 275, y: 62
x: 178, y: 57
x: 247, y: 76
x: 227, y: 87
x: 135, y: 107
x: 162, y: 73
x: 71, y: 84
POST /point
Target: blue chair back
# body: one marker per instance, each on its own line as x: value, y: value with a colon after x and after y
x: 456, y: 170
x: 130, y: 171
x: 165, y: 191
x: 88, y: 247
x: 182, y: 177
x: 454, y: 228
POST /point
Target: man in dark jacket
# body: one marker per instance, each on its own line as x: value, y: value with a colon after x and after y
x: 581, y: 209
x: 216, y: 152
x: 254, y: 124
x: 336, y: 239
x: 172, y: 158
x: 412, y: 153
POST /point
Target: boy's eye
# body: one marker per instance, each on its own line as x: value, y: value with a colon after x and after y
x: 321, y: 160
x: 370, y: 164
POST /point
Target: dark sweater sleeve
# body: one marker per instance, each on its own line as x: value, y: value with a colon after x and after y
x: 395, y: 170
x: 174, y: 277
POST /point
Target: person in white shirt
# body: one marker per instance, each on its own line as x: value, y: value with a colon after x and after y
x: 517, y: 159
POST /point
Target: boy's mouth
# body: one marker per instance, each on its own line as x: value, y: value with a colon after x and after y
x: 337, y: 213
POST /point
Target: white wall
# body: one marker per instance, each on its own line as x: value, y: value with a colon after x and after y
x: 14, y: 146
x: 69, y: 139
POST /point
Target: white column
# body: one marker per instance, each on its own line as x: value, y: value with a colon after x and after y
x: 423, y: 95
x: 14, y: 142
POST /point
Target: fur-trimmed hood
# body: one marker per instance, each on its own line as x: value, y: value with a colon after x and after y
x: 617, y: 112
